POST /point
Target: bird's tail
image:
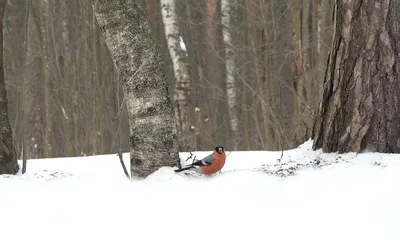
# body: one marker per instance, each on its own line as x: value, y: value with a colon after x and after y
x: 185, y: 168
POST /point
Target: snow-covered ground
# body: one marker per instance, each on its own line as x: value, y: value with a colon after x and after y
x: 307, y: 195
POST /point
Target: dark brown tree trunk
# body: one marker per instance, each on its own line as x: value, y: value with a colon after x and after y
x: 33, y: 122
x: 8, y: 155
x: 153, y: 132
x: 359, y: 110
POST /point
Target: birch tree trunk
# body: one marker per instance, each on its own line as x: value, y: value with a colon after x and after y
x: 8, y: 155
x: 360, y: 105
x: 153, y: 133
x: 180, y: 65
x: 228, y: 8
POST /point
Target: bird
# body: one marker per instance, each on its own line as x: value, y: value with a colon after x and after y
x: 210, y: 164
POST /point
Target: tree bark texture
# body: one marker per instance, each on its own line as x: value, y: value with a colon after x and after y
x: 153, y: 132
x: 359, y: 110
x: 181, y: 72
x: 98, y: 92
x: 228, y: 10
x: 44, y: 18
x: 68, y: 80
x: 301, y: 81
x: 33, y: 121
x: 8, y: 155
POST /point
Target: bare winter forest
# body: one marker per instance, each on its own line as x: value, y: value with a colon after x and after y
x: 247, y: 74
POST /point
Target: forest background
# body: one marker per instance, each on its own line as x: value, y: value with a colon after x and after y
x: 257, y: 89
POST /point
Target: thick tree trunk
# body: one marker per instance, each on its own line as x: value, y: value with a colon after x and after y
x: 8, y: 155
x: 153, y: 133
x: 33, y: 122
x: 180, y: 65
x: 360, y: 105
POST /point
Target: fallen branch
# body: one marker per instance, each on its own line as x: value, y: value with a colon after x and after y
x: 24, y: 162
x: 121, y: 160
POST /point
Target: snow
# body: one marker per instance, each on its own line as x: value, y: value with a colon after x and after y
x: 306, y: 195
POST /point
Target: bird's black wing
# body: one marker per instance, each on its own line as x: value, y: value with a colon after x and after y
x: 201, y: 163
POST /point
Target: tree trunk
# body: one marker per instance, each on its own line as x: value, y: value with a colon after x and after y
x: 228, y: 10
x: 67, y: 71
x: 8, y: 155
x: 33, y: 122
x: 98, y: 107
x: 48, y: 81
x: 302, y: 79
x: 153, y: 133
x: 360, y: 105
x: 181, y: 72
x: 325, y: 16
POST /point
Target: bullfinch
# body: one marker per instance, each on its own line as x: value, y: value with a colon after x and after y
x: 210, y: 164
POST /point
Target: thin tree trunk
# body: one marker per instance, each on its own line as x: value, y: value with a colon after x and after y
x: 302, y: 120
x: 360, y: 105
x: 153, y: 133
x: 312, y: 84
x: 97, y: 106
x: 180, y: 65
x: 325, y: 16
x: 8, y: 155
x: 67, y: 71
x: 24, y: 139
x: 228, y: 10
x: 48, y: 83
x: 211, y: 6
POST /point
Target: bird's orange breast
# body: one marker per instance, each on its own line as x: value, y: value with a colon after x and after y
x: 217, y: 165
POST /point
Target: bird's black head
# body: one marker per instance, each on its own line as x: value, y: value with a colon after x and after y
x: 219, y: 149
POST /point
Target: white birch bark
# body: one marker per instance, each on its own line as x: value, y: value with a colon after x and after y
x: 181, y: 72
x: 227, y: 12
x: 153, y: 140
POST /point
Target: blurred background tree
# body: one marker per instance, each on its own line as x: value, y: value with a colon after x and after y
x: 255, y: 70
